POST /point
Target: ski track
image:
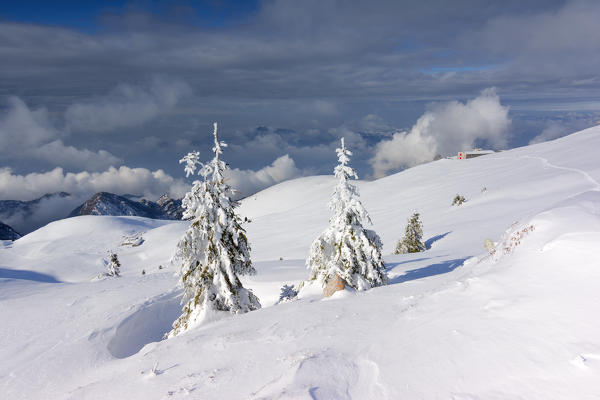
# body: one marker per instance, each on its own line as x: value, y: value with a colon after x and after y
x: 587, y: 176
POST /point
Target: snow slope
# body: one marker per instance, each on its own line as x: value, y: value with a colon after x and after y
x: 455, y: 322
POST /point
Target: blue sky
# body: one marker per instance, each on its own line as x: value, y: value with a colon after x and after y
x: 87, y: 16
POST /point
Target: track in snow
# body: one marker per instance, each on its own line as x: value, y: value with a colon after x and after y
x: 587, y: 176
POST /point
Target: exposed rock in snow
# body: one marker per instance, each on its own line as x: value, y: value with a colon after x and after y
x: 336, y: 283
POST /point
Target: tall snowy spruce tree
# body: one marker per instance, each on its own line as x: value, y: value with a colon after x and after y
x: 346, y: 248
x: 214, y: 250
x: 412, y: 242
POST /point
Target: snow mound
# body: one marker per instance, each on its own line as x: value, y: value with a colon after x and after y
x: 74, y: 249
x: 285, y: 196
x: 146, y: 325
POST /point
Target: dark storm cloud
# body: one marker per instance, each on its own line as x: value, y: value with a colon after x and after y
x: 553, y: 53
x: 29, y: 135
x: 290, y: 50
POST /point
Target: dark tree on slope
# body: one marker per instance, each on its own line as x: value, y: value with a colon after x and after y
x: 346, y: 248
x: 458, y: 200
x: 412, y: 242
x: 214, y: 250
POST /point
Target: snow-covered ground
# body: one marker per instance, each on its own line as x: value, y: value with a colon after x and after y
x: 454, y: 323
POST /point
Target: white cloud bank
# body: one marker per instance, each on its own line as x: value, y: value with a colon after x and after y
x: 139, y: 181
x: 445, y: 129
x: 247, y: 182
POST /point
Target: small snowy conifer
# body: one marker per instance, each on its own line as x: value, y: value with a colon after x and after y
x: 114, y: 266
x: 346, y: 248
x: 413, y: 236
x: 214, y: 250
x: 288, y: 293
x: 458, y: 200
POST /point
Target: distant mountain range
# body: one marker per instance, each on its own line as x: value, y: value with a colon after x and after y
x: 104, y: 203
x: 16, y: 211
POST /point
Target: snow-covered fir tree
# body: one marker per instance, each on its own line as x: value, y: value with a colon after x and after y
x: 288, y: 293
x: 114, y: 266
x: 346, y: 248
x: 214, y: 250
x: 412, y: 242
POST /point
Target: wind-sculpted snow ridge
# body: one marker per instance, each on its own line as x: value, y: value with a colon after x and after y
x: 453, y: 322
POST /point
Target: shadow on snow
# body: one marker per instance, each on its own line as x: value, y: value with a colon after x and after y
x: 434, y: 239
x: 146, y: 325
x: 6, y: 273
x: 430, y: 270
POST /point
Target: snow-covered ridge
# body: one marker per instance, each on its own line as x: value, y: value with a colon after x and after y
x: 104, y: 203
x: 454, y: 322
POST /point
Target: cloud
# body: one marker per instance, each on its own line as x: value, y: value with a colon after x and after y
x: 359, y: 52
x: 552, y: 131
x: 263, y: 69
x: 445, y: 129
x: 542, y: 44
x: 247, y: 182
x: 405, y: 149
x: 565, y: 124
x: 138, y: 181
x: 31, y: 134
x: 322, y: 107
x: 308, y: 149
x: 126, y: 105
x: 47, y: 210
x: 22, y: 128
x: 56, y: 152
x: 27, y: 134
x: 373, y: 123
x: 122, y: 180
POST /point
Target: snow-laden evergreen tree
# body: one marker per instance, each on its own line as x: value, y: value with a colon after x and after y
x: 114, y: 266
x: 288, y: 293
x: 412, y: 242
x: 214, y: 250
x: 346, y: 248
